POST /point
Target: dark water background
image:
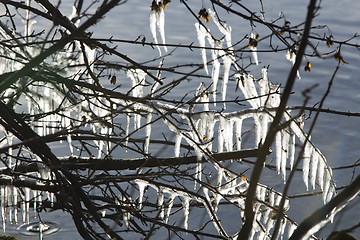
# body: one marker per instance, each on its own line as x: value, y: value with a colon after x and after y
x: 336, y: 136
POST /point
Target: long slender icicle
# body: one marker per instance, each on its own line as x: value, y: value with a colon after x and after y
x: 227, y: 64
x: 153, y: 30
x: 157, y: 18
x: 201, y: 34
x: 160, y: 17
x: 186, y: 209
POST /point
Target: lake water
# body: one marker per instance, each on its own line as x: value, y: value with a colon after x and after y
x: 338, y: 137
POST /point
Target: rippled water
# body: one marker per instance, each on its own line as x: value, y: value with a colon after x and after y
x: 338, y: 137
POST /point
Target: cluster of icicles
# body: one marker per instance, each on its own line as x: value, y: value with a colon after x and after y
x: 265, y: 207
x: 262, y: 96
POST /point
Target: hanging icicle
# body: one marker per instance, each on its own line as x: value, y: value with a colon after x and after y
x: 291, y: 56
x: 201, y: 32
x: 157, y: 19
x: 253, y: 42
x: 138, y: 80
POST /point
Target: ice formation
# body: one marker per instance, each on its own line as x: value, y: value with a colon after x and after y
x: 201, y: 34
x: 253, y: 48
x: 157, y: 19
x: 291, y: 56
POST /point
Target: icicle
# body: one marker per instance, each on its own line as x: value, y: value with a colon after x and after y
x: 199, y: 155
x: 186, y: 209
x: 291, y: 56
x: 160, y: 17
x: 201, y: 34
x: 220, y: 173
x: 160, y: 204
x: 138, y: 80
x: 278, y: 151
x: 178, y: 138
x: 291, y: 150
x: 284, y: 152
x: 90, y: 55
x: 282, y: 228
x: 148, y: 132
x: 27, y: 204
x: 225, y: 135
x: 3, y: 207
x: 320, y: 175
x: 306, y: 164
x: 258, y: 129
x: 216, y: 64
x: 247, y: 87
x: 253, y: 48
x: 238, y: 129
x: 153, y: 29
x: 314, y: 167
x: 227, y: 64
x: 327, y: 185
x: 203, y: 95
x: 264, y: 87
x: 291, y: 229
x: 15, y: 204
x: 141, y: 185
x: 171, y: 203
x: 157, y: 18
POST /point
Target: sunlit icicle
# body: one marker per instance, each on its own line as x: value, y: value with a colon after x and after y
x: 226, y: 69
x: 199, y: 155
x: 90, y: 55
x: 284, y: 152
x: 291, y: 150
x: 27, y: 205
x: 160, y: 204
x: 125, y: 214
x: 264, y: 87
x: 220, y: 174
x: 170, y: 204
x: 278, y: 151
x: 320, y: 175
x: 147, y: 132
x: 247, y: 87
x: 138, y: 80
x: 15, y: 203
x: 160, y: 17
x: 327, y: 185
x: 306, y: 164
x: 228, y: 134
x: 3, y: 206
x: 186, y: 209
x: 215, y: 44
x: 226, y: 30
x: 282, y: 227
x: 238, y: 129
x: 202, y: 95
x: 254, y: 49
x: 291, y: 228
x: 178, y: 138
x: 223, y: 134
x: 291, y: 56
x: 222, y: 28
x: 153, y: 30
x: 141, y: 185
x: 314, y: 163
x: 201, y: 34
